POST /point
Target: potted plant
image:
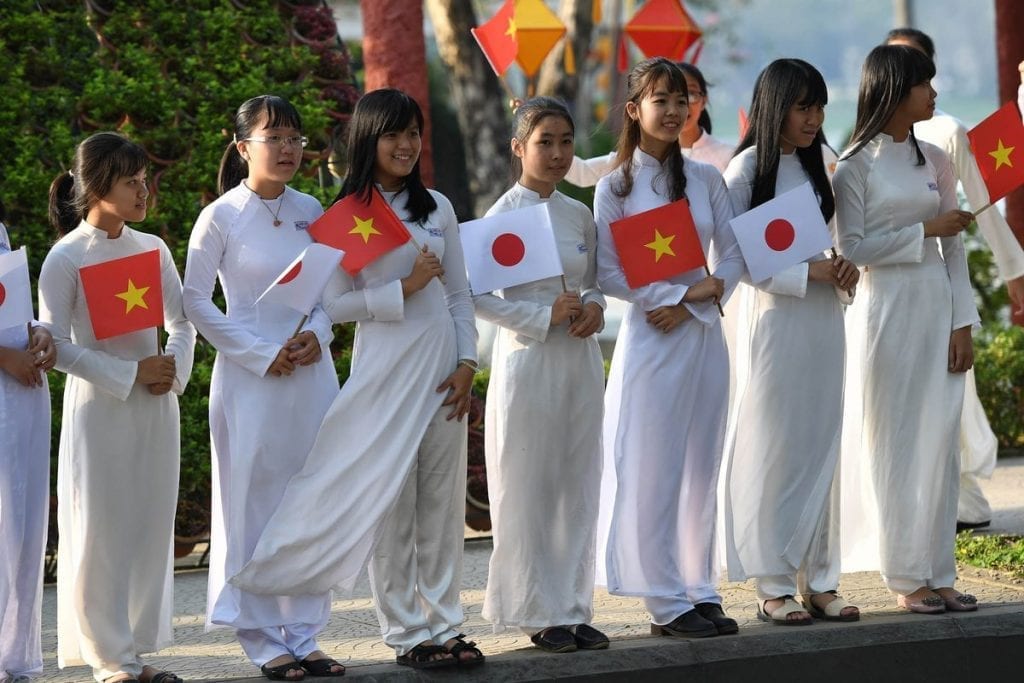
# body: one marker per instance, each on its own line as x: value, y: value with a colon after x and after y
x: 340, y: 99
x: 314, y: 26
x: 331, y: 66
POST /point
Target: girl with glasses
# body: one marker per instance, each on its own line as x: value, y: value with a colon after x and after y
x: 387, y: 473
x: 264, y: 369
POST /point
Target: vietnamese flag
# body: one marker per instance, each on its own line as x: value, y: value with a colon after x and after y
x: 124, y: 295
x: 497, y: 38
x: 15, y: 291
x: 365, y: 232
x: 657, y: 244
x: 998, y: 146
x: 510, y: 248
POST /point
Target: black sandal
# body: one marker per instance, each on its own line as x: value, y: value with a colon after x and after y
x: 461, y: 646
x: 420, y: 657
x: 165, y: 677
x: 322, y: 667
x: 281, y: 671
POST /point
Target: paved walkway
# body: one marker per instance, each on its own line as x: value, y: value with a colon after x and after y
x: 353, y: 637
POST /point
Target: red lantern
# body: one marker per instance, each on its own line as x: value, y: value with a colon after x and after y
x: 662, y: 28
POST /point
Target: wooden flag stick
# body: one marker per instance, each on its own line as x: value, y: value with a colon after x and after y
x: 720, y: 311
x: 987, y: 206
x: 298, y: 328
x: 565, y: 289
x: 835, y: 255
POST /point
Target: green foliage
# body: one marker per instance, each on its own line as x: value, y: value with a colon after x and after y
x: 999, y: 372
x: 1002, y: 553
x: 170, y: 75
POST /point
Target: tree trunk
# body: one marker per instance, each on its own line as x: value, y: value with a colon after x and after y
x: 1009, y: 50
x: 387, y: 25
x: 578, y: 17
x: 479, y: 101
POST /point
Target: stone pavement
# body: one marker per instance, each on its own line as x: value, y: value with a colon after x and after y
x: 910, y: 647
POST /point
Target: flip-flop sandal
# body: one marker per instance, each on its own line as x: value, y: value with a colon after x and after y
x: 780, y: 615
x: 280, y: 672
x: 321, y: 668
x: 460, y: 646
x: 420, y: 657
x: 833, y: 611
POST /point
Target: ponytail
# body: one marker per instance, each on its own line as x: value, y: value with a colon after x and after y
x: 64, y: 211
x: 233, y: 169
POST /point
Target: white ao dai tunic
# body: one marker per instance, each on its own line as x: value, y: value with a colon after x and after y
x: 900, y: 456
x: 665, y: 403
x: 543, y: 435
x: 117, y: 471
x: 783, y: 447
x: 24, y: 508
x: 261, y: 426
x: 369, y: 441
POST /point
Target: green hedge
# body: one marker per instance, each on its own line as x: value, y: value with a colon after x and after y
x: 999, y: 371
x: 170, y: 75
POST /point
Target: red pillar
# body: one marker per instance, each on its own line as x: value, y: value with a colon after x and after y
x: 395, y: 56
x: 1009, y: 53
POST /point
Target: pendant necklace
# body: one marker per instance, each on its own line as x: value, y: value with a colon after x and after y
x: 275, y: 214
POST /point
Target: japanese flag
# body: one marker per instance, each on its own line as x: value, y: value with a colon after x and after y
x: 15, y: 291
x: 301, y: 284
x: 781, y: 233
x: 510, y: 248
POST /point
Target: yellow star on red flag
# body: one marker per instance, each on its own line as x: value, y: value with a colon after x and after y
x: 1002, y: 155
x: 994, y: 142
x: 133, y: 296
x: 344, y: 227
x: 364, y: 228
x: 117, y: 305
x: 661, y: 245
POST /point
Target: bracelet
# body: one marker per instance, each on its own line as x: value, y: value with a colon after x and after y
x: 470, y: 364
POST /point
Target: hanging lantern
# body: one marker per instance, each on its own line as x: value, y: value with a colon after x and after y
x: 662, y: 28
x: 523, y: 31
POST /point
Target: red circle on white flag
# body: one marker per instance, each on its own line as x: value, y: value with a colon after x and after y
x: 779, y: 234
x: 291, y: 274
x: 508, y: 249
x: 3, y: 294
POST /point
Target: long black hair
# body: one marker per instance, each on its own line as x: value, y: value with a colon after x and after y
x: 889, y: 73
x: 378, y: 112
x: 704, y: 121
x: 100, y: 160
x: 782, y: 84
x: 276, y: 111
x: 642, y: 80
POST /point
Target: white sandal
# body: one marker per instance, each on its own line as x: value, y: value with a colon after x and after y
x: 833, y: 611
x: 780, y: 615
